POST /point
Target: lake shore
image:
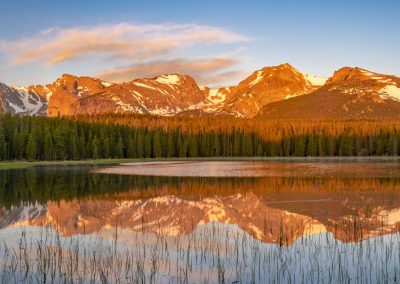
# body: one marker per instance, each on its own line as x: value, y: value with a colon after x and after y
x: 8, y: 165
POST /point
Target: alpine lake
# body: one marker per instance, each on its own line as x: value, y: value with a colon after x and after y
x: 202, y: 221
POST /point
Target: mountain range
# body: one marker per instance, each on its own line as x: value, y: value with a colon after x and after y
x: 271, y: 92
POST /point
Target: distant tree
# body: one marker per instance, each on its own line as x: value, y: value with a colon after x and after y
x: 131, y: 151
x: 193, y: 147
x: 311, y: 146
x: 216, y: 145
x: 119, y: 148
x: 59, y: 149
x: 3, y: 144
x: 170, y: 146
x: 48, y: 146
x: 95, y: 148
x: 260, y: 151
x: 31, y: 147
x: 286, y: 147
x: 300, y: 147
x: 157, y: 150
x: 139, y: 144
x: 147, y: 145
x: 106, y: 148
x: 395, y: 146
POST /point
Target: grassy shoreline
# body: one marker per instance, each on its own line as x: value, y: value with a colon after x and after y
x: 8, y: 165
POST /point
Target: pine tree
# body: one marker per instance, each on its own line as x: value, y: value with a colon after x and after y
x: 286, y: 147
x: 3, y: 144
x: 131, y: 152
x: 300, y: 147
x: 31, y: 147
x: 380, y: 147
x: 311, y: 146
x: 395, y: 146
x: 21, y: 145
x: 321, y: 146
x: 157, y: 151
x: 184, y: 148
x: 346, y: 147
x: 216, y: 146
x: 95, y: 148
x: 170, y: 146
x: 58, y: 145
x: 139, y: 144
x: 74, y: 148
x: 193, y: 151
x: 48, y: 146
x: 13, y: 154
x: 119, y: 149
x: 147, y: 145
x: 331, y: 146
x: 236, y: 143
x: 247, y: 146
x: 260, y: 151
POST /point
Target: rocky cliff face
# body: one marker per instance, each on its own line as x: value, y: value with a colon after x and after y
x: 66, y: 90
x: 164, y: 95
x: 18, y: 100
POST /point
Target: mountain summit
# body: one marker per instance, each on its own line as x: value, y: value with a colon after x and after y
x: 351, y: 93
x: 268, y: 85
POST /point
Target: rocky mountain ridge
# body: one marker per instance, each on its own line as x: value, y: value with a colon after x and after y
x: 271, y: 92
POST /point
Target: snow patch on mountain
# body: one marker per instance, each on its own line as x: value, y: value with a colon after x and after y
x: 125, y: 107
x: 139, y: 84
x: 367, y: 73
x: 259, y: 77
x: 392, y: 91
x: 106, y: 84
x: 168, y: 79
x: 291, y: 96
x: 21, y: 101
x: 314, y: 80
x: 165, y: 111
x: 216, y: 97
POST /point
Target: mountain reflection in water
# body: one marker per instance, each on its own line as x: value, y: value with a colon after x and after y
x: 277, y: 208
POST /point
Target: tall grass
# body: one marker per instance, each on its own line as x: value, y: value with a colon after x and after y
x: 212, y: 253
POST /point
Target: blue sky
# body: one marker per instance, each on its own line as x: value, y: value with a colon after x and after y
x: 217, y: 42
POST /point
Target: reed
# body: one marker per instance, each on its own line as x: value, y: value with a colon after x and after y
x: 212, y: 253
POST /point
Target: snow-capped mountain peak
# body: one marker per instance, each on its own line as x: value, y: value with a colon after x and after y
x: 176, y: 94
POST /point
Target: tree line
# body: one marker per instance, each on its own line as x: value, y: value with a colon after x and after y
x: 135, y: 136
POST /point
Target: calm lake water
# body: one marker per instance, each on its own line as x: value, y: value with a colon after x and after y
x: 202, y: 222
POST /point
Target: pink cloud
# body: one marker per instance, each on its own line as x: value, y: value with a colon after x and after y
x: 214, y: 71
x: 134, y: 41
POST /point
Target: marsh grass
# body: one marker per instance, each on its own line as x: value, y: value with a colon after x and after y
x: 9, y: 165
x: 212, y: 253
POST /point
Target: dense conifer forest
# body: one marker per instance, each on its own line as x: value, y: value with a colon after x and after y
x: 143, y: 136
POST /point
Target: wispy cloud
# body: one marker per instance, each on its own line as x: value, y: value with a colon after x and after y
x: 214, y: 71
x: 124, y: 40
